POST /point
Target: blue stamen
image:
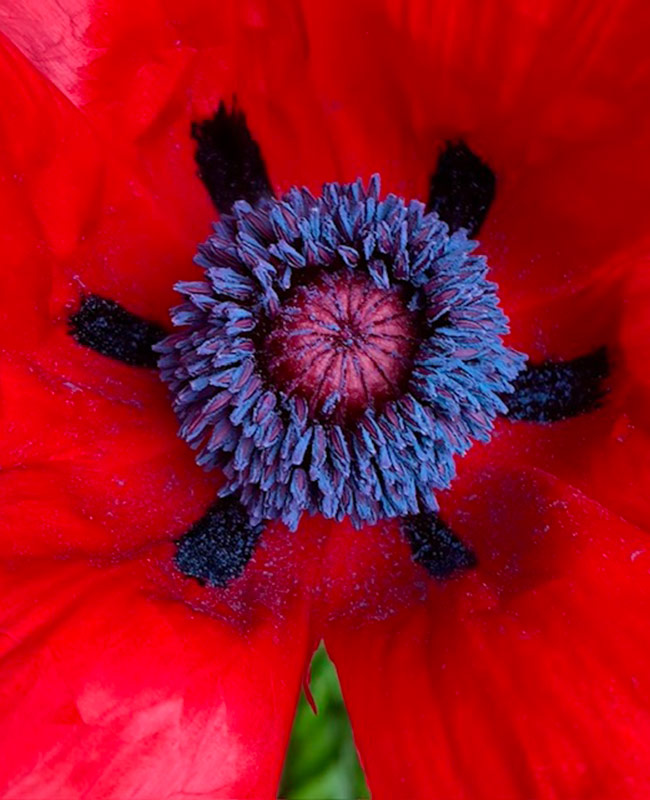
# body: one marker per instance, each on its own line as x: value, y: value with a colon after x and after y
x: 402, y: 324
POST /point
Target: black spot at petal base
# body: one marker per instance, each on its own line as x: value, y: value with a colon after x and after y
x: 461, y: 189
x: 556, y: 390
x: 436, y: 547
x: 217, y: 548
x: 229, y: 160
x: 108, y: 328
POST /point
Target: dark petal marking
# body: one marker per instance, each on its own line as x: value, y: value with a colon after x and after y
x: 107, y: 327
x: 556, y: 390
x: 229, y: 160
x: 435, y: 546
x: 217, y: 548
x: 461, y: 190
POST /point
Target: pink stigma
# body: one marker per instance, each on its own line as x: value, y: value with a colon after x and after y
x: 343, y: 344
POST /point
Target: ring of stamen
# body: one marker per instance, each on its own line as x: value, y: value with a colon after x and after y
x: 341, y: 351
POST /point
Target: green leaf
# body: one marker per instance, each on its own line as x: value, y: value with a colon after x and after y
x: 322, y: 762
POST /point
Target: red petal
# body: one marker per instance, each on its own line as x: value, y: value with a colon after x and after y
x: 110, y: 690
x: 95, y: 460
x: 529, y: 678
x: 635, y: 334
x: 142, y: 76
x: 91, y: 457
x: 605, y: 453
x: 84, y: 220
x: 333, y: 91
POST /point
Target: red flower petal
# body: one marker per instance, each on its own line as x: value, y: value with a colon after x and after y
x: 142, y: 76
x: 91, y: 457
x: 117, y: 242
x: 87, y: 223
x: 605, y: 452
x: 111, y: 690
x: 326, y: 102
x: 529, y: 678
x: 548, y: 109
x: 95, y: 461
x: 635, y: 334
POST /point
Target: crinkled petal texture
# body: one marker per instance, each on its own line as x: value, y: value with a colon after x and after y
x: 118, y: 678
x: 110, y: 689
x: 84, y: 437
x: 553, y: 98
x: 528, y: 679
x: 546, y: 94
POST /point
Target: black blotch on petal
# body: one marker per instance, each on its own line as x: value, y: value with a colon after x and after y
x: 108, y: 328
x: 217, y: 548
x: 436, y: 547
x: 461, y: 190
x: 556, y: 390
x: 229, y: 160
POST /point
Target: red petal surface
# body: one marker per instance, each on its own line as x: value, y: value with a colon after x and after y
x: 545, y: 94
x: 84, y: 437
x: 93, y: 461
x: 554, y: 97
x: 87, y: 223
x: 112, y: 689
x: 635, y: 335
x: 527, y: 679
x: 605, y: 453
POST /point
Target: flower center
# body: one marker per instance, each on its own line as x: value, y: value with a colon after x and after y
x: 343, y: 344
x: 341, y: 351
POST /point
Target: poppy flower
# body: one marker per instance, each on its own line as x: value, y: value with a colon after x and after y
x: 471, y: 543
